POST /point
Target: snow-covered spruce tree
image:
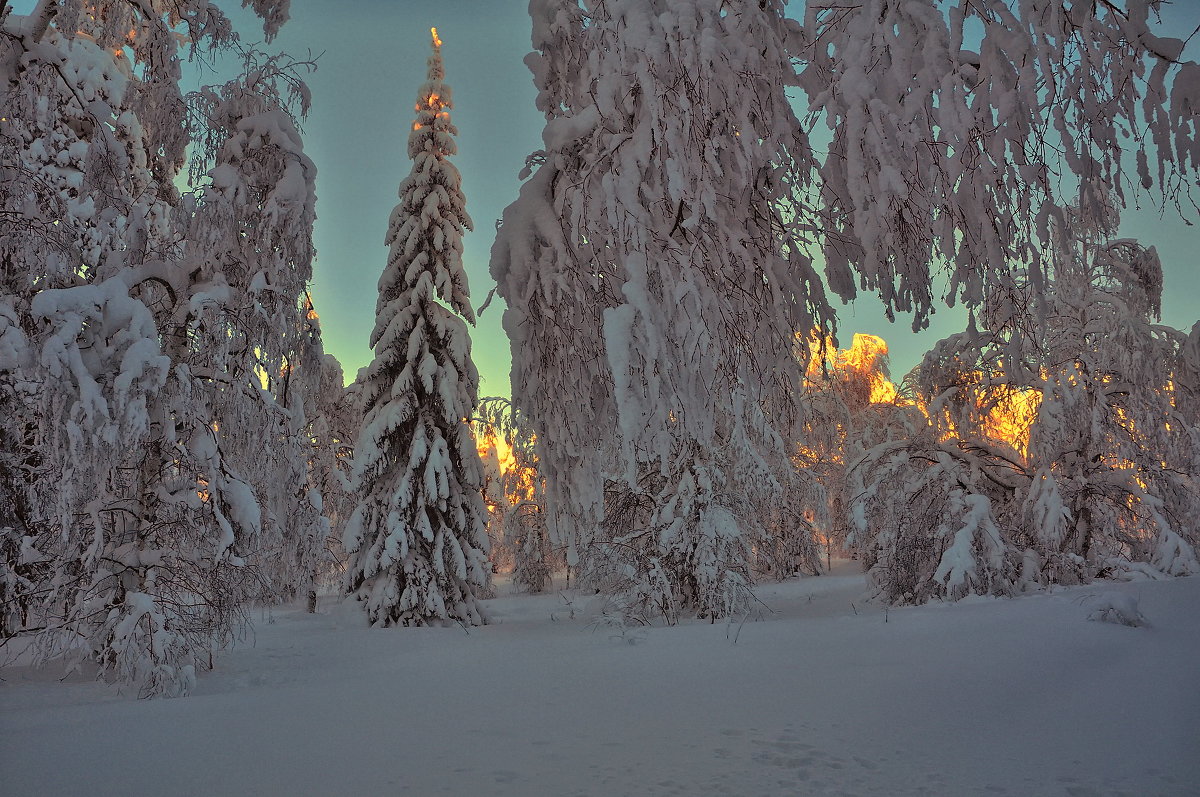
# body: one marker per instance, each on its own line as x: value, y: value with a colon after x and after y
x: 654, y: 276
x: 146, y: 527
x: 416, y: 543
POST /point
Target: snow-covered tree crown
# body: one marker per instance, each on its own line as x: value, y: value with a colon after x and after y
x: 148, y: 333
x: 955, y: 121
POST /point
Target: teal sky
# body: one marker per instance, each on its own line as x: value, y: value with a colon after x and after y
x: 371, y: 60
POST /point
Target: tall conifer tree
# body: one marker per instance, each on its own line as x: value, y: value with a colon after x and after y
x: 417, y: 543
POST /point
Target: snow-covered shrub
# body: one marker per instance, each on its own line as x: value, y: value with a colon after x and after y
x: 926, y: 522
x: 673, y: 545
x: 1120, y: 608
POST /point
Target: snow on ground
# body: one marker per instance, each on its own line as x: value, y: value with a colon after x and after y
x: 824, y: 696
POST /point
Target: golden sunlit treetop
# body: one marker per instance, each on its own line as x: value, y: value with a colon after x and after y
x: 432, y: 101
x: 867, y: 356
x: 520, y: 479
x: 1006, y: 414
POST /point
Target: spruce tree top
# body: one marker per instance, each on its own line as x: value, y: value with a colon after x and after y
x: 426, y: 227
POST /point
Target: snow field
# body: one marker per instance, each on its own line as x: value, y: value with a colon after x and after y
x: 827, y: 695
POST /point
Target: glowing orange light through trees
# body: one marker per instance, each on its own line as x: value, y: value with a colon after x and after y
x: 1010, y: 418
x: 1006, y: 414
x: 489, y: 442
x: 865, y: 357
x: 519, y: 480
